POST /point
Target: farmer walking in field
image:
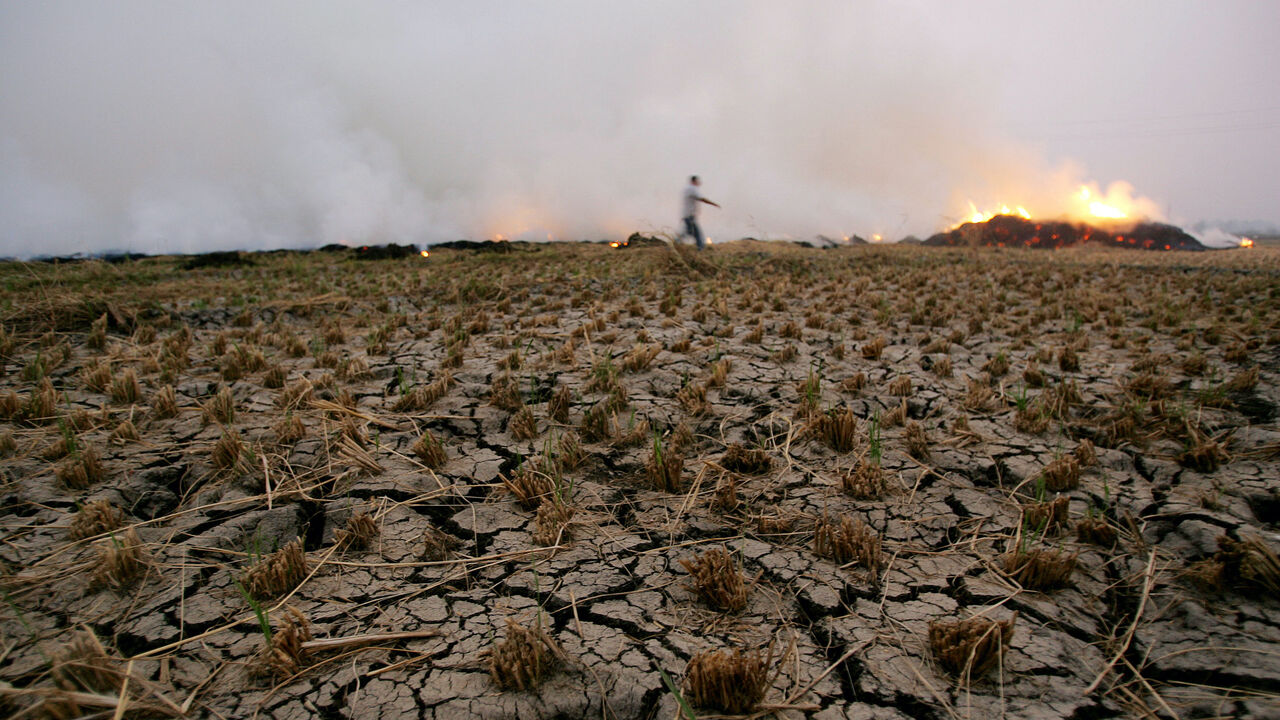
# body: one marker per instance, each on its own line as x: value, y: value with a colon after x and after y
x: 693, y: 196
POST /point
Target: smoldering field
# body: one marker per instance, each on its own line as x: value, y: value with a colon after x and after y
x: 897, y: 481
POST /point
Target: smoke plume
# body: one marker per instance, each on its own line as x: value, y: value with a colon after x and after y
x: 184, y: 127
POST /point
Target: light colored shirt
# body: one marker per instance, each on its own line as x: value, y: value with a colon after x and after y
x: 691, y: 201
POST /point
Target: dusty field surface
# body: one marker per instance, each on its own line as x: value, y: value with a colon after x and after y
x: 578, y: 482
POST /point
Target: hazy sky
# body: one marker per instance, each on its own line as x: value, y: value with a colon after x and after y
x: 188, y: 126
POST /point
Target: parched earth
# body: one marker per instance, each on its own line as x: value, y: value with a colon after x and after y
x: 876, y: 436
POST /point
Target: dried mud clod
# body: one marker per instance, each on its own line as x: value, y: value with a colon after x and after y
x: 967, y: 649
x: 524, y: 659
x: 730, y: 681
x: 846, y: 540
x: 1040, y: 568
x: 278, y: 573
x: 122, y: 560
x: 359, y: 532
x: 95, y: 518
x: 717, y: 580
x: 747, y: 461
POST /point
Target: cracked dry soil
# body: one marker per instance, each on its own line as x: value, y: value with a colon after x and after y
x: 653, y: 406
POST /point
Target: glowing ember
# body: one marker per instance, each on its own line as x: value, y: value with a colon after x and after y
x: 1246, y: 243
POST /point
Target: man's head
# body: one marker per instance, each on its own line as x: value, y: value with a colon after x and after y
x: 693, y: 180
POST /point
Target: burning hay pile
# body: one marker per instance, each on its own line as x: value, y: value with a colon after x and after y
x: 1016, y: 231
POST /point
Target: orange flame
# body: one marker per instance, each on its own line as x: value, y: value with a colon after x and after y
x: 1246, y: 243
x: 424, y: 253
x: 1088, y: 203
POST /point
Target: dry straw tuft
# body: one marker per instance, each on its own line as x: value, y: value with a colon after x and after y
x: 95, y: 518
x: 865, y: 482
x: 1062, y: 474
x: 227, y: 450
x: 81, y: 471
x: 717, y: 580
x: 164, y: 404
x: 125, y: 432
x: 529, y: 486
x: 917, y: 441
x: 730, y: 681
x: 82, y: 664
x: 558, y: 406
x: 838, y: 429
x: 847, y: 540
x: 901, y: 386
x: 524, y: 426
x: 285, y: 654
x: 430, y: 451
x: 1047, y: 517
x: 1040, y: 568
x: 873, y: 349
x: 1095, y: 531
x: 524, y: 659
x: 359, y: 532
x: 896, y: 416
x: 122, y: 560
x: 967, y: 649
x: 693, y: 399
x: 278, y: 573
x: 665, y: 468
x: 289, y: 429
x: 747, y: 461
x: 553, y: 522
x: 221, y: 408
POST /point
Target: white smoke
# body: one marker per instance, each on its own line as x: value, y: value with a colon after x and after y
x: 182, y: 127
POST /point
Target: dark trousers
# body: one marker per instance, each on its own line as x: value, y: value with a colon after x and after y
x: 691, y: 228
